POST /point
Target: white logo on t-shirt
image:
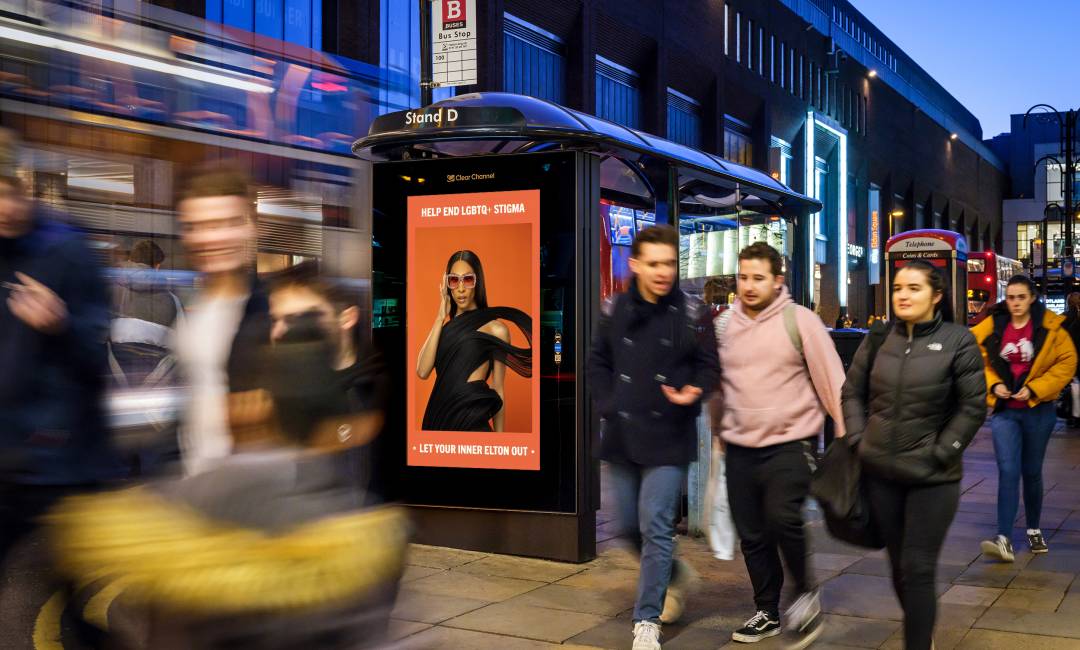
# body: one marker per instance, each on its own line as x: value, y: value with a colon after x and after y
x: 1024, y: 347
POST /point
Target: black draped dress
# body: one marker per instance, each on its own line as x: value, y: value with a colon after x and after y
x: 457, y: 404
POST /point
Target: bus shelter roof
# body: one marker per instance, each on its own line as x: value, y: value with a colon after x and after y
x: 504, y: 123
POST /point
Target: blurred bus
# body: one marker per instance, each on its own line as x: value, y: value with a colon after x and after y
x: 988, y: 276
x: 116, y: 104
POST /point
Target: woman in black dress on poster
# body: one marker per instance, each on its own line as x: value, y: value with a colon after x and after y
x: 469, y: 349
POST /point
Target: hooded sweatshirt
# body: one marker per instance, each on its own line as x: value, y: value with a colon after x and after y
x: 771, y: 394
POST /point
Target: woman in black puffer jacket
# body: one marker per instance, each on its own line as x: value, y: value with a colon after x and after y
x: 912, y: 410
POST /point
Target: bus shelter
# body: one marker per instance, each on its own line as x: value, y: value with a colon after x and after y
x: 542, y: 202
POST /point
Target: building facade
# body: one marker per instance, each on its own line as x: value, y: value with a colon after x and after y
x: 807, y: 90
x: 1032, y: 230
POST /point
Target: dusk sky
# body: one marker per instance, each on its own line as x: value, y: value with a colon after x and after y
x: 995, y: 56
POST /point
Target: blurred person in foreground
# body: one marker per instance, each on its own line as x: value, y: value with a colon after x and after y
x: 270, y: 549
x: 54, y: 315
x: 230, y: 317
x: 301, y: 298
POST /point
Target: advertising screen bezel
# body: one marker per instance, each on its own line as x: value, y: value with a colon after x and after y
x: 552, y: 487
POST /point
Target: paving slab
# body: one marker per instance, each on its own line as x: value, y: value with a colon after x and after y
x: 438, y: 557
x: 861, y: 596
x: 414, y: 572
x: 528, y: 621
x: 520, y: 567
x: 994, y: 640
x: 399, y: 629
x: 1032, y: 600
x: 970, y: 595
x: 1032, y: 578
x: 856, y: 632
x: 945, y: 638
x: 464, y: 585
x: 605, y: 602
x: 1028, y: 622
x: 444, y: 638
x: 420, y: 607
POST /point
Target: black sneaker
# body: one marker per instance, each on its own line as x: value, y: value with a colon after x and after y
x: 760, y: 626
x: 1037, y: 542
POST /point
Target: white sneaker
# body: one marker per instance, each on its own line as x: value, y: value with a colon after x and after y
x: 646, y: 635
x: 999, y: 548
x: 805, y: 611
x: 678, y: 591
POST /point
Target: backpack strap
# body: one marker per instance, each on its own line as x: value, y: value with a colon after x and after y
x: 792, y: 327
x: 877, y: 336
x: 721, y: 324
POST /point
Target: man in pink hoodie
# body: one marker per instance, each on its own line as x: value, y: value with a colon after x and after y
x: 780, y: 375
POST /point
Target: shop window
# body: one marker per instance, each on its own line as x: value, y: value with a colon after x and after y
x: 780, y: 160
x: 738, y: 143
x: 1055, y: 188
x: 684, y: 119
x: 1026, y: 232
x: 618, y: 93
x: 534, y: 62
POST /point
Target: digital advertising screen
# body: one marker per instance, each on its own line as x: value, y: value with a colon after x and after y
x: 476, y: 284
x: 473, y: 329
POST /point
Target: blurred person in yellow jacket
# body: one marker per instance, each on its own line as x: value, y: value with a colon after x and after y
x: 1029, y: 358
x: 273, y: 548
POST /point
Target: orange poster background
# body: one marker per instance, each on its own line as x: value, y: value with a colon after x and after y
x: 507, y: 248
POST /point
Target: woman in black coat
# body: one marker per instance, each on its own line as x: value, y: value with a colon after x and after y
x: 912, y: 410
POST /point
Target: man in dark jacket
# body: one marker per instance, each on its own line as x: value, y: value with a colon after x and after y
x: 653, y: 358
x: 53, y: 320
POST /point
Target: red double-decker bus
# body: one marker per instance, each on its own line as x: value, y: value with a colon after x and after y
x: 988, y: 276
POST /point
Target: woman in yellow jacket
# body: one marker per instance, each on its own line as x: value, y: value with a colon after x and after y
x: 1029, y: 358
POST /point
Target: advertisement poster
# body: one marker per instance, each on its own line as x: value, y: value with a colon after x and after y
x: 473, y: 291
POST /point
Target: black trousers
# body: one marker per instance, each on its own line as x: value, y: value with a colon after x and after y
x: 766, y: 489
x: 914, y: 520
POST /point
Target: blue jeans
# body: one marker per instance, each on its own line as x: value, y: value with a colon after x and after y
x: 647, y: 500
x: 1020, y: 440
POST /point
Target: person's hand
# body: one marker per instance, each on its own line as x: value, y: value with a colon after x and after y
x: 444, y: 301
x: 1001, y: 392
x: 37, y: 305
x: 1022, y: 395
x: 684, y: 397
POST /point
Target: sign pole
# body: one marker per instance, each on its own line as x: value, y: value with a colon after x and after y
x: 425, y: 53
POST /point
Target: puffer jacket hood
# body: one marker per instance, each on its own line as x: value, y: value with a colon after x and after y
x: 1052, y: 368
x: 915, y: 410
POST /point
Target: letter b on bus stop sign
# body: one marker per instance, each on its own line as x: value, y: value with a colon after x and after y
x: 453, y: 14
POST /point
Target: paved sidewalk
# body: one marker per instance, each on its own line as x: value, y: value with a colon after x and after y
x: 462, y: 599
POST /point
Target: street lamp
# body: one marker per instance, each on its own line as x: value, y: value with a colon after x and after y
x: 872, y: 73
x: 1067, y: 134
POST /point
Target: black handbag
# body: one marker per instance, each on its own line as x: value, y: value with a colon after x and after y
x: 838, y: 489
x: 837, y: 484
